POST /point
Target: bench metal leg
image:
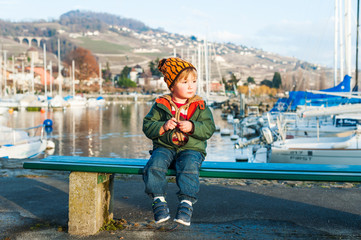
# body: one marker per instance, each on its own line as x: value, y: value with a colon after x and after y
x: 90, y: 202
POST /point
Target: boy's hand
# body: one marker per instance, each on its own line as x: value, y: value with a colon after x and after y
x: 185, y: 126
x: 170, y: 124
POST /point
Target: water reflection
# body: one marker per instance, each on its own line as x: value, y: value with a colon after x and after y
x: 112, y: 131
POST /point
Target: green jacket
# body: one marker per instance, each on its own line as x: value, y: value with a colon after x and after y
x: 200, y: 115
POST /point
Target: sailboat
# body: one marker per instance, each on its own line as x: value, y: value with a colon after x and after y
x: 75, y: 101
x: 58, y: 102
x: 342, y: 93
x: 316, y: 149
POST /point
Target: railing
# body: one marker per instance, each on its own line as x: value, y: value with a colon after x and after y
x: 13, y: 132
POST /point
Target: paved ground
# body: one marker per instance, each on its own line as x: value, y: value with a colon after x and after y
x: 36, y: 208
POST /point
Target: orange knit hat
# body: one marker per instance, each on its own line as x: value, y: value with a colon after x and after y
x: 172, y: 67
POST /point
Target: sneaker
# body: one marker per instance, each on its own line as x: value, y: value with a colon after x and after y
x: 184, y: 214
x: 160, y: 210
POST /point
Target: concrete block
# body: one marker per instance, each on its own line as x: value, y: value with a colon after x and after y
x: 90, y: 202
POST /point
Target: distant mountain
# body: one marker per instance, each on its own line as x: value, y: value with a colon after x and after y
x: 75, y: 21
x: 86, y: 20
x: 10, y: 29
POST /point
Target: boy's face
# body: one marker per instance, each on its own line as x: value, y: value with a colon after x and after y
x: 184, y: 88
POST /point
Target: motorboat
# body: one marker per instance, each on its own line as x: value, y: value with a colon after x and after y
x: 321, y: 150
x: 18, y: 144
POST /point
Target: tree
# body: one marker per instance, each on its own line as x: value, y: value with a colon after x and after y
x: 124, y: 80
x: 267, y: 83
x: 65, y: 46
x: 106, y: 73
x: 153, y: 65
x: 250, y: 80
x: 231, y: 82
x: 125, y: 72
x: 86, y: 65
x: 276, y: 81
x: 126, y: 83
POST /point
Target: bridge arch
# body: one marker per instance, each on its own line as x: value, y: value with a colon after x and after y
x: 36, y: 41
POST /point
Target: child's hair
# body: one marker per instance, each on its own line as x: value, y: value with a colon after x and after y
x: 185, y: 74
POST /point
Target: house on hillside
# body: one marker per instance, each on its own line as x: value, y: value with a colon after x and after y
x: 135, y: 73
x: 138, y: 68
x: 216, y: 86
x: 33, y: 53
x: 157, y: 83
x: 39, y: 76
x: 153, y: 83
x: 143, y: 80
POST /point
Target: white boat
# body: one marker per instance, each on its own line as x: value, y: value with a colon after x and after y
x: 3, y: 110
x: 254, y: 150
x: 32, y: 101
x: 244, y: 154
x: 17, y: 144
x: 295, y: 125
x: 326, y: 150
x: 327, y: 142
x: 96, y: 102
x: 321, y: 131
x: 9, y: 102
x: 58, y: 102
x: 226, y: 132
x: 77, y: 102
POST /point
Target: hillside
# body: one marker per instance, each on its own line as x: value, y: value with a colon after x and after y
x: 118, y: 42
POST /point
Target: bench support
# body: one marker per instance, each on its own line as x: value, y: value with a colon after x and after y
x: 90, y: 202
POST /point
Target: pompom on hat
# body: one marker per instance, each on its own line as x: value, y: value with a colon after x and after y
x: 172, y: 68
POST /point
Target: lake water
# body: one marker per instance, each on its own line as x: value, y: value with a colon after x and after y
x: 112, y: 131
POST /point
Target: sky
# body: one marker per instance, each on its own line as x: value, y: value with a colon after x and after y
x: 302, y: 29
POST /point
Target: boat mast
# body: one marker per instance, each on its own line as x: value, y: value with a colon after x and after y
x: 23, y: 74
x: 5, y: 66
x: 32, y: 72
x: 206, y: 67
x: 357, y: 35
x: 45, y: 78
x: 341, y: 40
x: 218, y: 69
x: 14, y: 78
x: 73, y: 77
x: 100, y: 79
x: 51, y: 78
x: 60, y: 77
x: 348, y: 36
x: 200, y: 77
x: 1, y: 75
x: 335, y: 45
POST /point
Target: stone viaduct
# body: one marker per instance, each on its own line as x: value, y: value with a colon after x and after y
x: 30, y: 40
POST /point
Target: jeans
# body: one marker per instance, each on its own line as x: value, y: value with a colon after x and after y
x: 187, y: 164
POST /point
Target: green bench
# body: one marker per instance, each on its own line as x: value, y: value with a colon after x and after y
x: 91, y: 181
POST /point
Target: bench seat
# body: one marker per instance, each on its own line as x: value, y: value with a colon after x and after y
x: 270, y: 171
